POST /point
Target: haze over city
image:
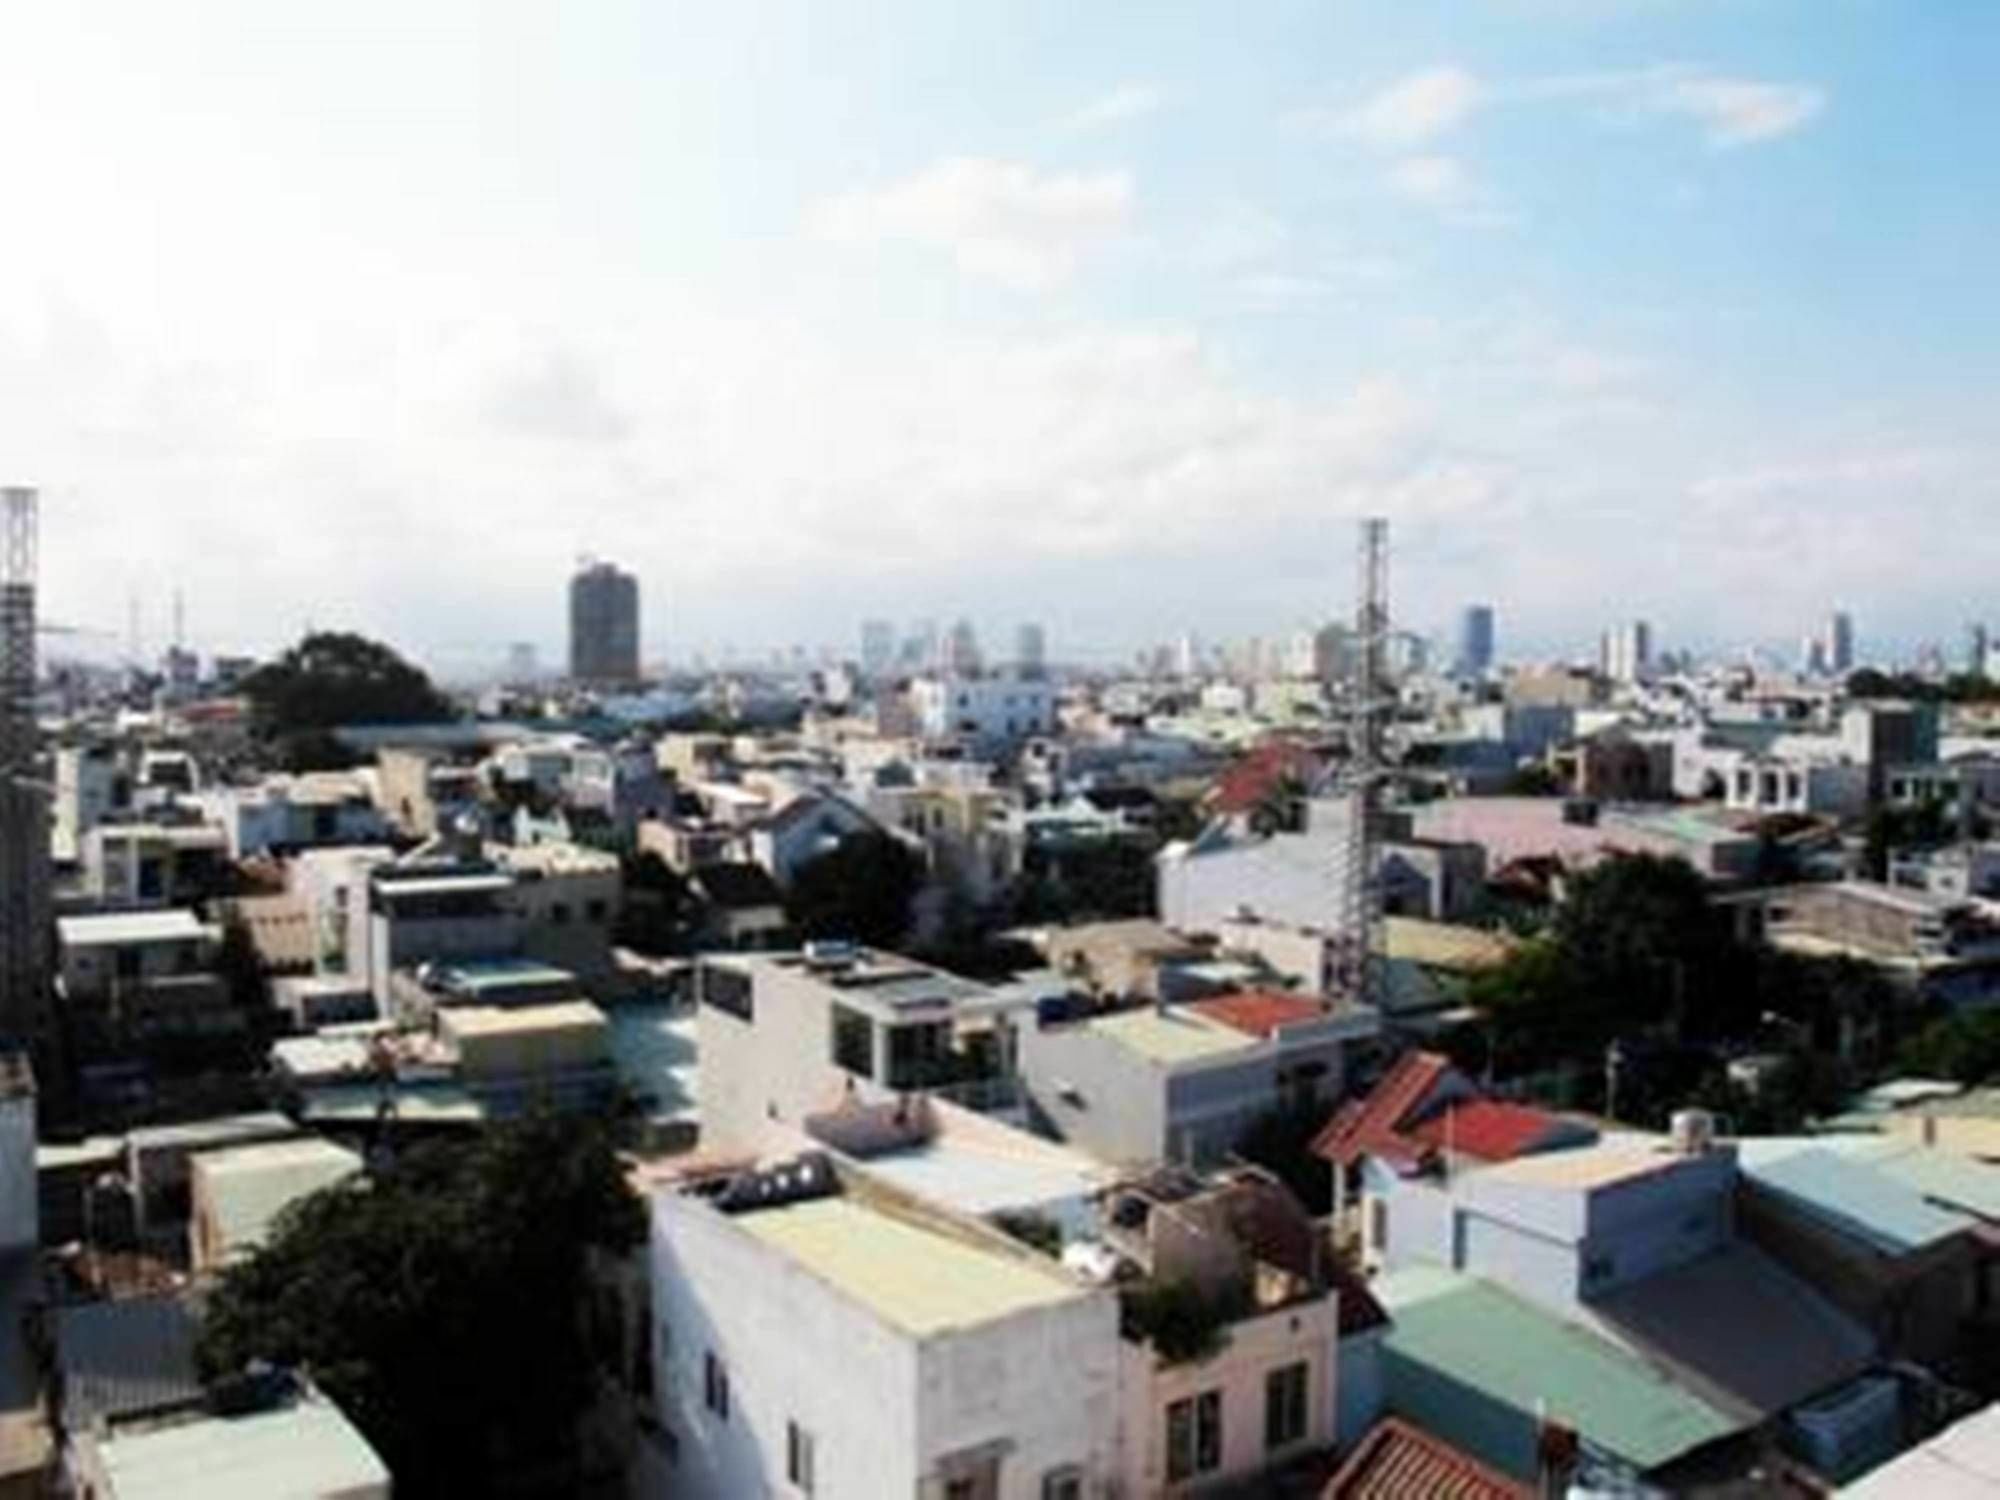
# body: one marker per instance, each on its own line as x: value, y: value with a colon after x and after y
x: 378, y: 316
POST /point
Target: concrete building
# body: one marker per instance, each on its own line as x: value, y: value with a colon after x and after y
x: 1474, y: 655
x: 154, y: 863
x: 426, y: 911
x: 1837, y: 643
x: 567, y: 897
x: 286, y: 813
x: 92, y: 784
x: 126, y: 976
x: 784, y: 1036
x: 1625, y: 654
x: 424, y: 792
x: 1031, y: 651
x: 985, y: 712
x: 1184, y: 1082
x: 878, y: 648
x: 892, y: 1348
x: 603, y: 625
x: 236, y: 1195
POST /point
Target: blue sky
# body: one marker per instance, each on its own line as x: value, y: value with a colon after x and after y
x: 1110, y: 316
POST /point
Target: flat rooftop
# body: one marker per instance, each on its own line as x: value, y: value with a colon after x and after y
x: 111, y: 929
x: 980, y: 1181
x: 1172, y: 1036
x: 305, y: 1449
x: 1618, y: 1159
x: 921, y: 1280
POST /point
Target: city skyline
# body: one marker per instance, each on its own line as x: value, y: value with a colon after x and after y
x: 1591, y: 300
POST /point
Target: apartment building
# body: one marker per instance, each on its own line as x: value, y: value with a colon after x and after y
x: 128, y: 976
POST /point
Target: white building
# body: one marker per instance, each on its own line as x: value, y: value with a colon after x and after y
x: 1625, y: 654
x: 890, y: 1349
x: 295, y: 812
x: 988, y: 711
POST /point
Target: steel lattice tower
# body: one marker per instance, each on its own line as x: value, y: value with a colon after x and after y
x: 24, y: 835
x: 1360, y: 969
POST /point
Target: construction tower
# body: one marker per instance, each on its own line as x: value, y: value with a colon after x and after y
x: 24, y: 834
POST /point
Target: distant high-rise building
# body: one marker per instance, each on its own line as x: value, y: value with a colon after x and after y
x: 1031, y: 650
x: 1626, y: 652
x: 961, y: 650
x: 1812, y: 656
x: 1475, y: 640
x: 1838, y: 641
x: 1978, y: 649
x: 878, y: 647
x: 1333, y: 652
x: 522, y: 664
x: 603, y: 625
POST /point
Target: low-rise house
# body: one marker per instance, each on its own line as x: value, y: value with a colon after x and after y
x: 237, y: 1194
x: 423, y: 791
x: 567, y: 897
x: 1184, y: 1082
x: 282, y: 813
x: 893, y: 1348
x: 296, y: 1444
x: 154, y: 863
x: 741, y: 906
x: 133, y: 976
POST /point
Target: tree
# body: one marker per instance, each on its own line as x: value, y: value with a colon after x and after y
x: 1965, y: 1048
x: 441, y: 1303
x: 335, y: 678
x: 861, y: 890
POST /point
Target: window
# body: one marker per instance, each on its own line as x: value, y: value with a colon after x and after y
x: 1194, y: 1436
x: 853, y: 1041
x: 715, y: 1386
x: 1599, y: 1267
x: 559, y: 914
x: 727, y: 990
x: 799, y: 1457
x: 917, y: 1054
x: 1285, y: 1405
x: 597, y: 911
x: 1065, y: 1483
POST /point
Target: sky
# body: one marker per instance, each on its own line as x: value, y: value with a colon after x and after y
x: 1111, y: 316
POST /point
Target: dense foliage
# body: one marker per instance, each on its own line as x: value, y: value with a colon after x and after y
x: 440, y: 1302
x: 860, y: 890
x: 334, y: 678
x: 1960, y: 687
x: 1964, y: 1047
x: 1637, y: 955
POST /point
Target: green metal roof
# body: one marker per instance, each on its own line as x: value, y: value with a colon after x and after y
x: 1474, y: 1334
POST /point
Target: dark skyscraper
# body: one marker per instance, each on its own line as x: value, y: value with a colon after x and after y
x: 603, y: 625
x: 1475, y: 639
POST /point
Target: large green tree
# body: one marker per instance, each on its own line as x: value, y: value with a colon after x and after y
x: 335, y: 678
x: 442, y: 1302
x: 1964, y: 1047
x: 861, y: 889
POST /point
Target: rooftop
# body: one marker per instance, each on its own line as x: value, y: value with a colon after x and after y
x: 1960, y: 1463
x: 1485, y: 1340
x: 1853, y: 1196
x: 1443, y: 945
x: 1260, y: 1013
x: 305, y: 1449
x: 108, y: 929
x: 922, y: 1280
x: 248, y: 1186
x: 1397, y: 1461
x: 1171, y: 1036
x: 1601, y: 1164
x: 1492, y: 1130
x: 127, y: 1357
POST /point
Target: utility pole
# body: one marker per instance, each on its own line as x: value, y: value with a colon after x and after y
x: 24, y: 834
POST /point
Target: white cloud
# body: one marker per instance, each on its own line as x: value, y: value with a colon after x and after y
x: 1415, y: 109
x: 1443, y: 183
x: 1731, y: 111
x: 1130, y: 101
x: 1001, y: 220
x: 1739, y: 111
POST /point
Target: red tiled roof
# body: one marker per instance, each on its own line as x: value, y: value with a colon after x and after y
x: 1487, y: 1129
x: 1261, y: 1012
x: 1374, y: 1124
x: 1260, y: 772
x: 1396, y: 1461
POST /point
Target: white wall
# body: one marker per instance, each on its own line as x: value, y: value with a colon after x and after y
x: 1256, y: 1346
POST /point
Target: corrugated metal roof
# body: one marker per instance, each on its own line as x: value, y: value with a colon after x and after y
x: 1855, y: 1197
x: 1399, y: 1461
x: 1474, y: 1335
x: 121, y: 1359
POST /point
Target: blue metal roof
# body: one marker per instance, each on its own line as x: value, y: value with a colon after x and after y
x: 1856, y: 1198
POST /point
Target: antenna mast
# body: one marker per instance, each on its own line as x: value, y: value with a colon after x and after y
x: 24, y: 837
x: 1360, y: 893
